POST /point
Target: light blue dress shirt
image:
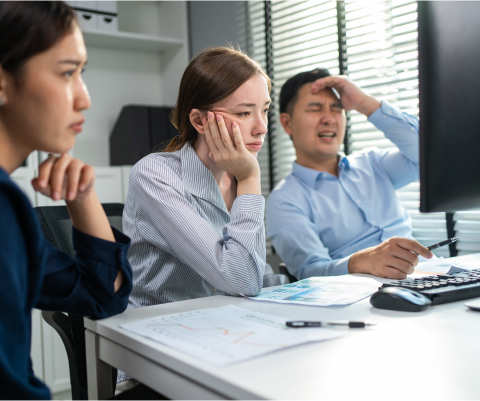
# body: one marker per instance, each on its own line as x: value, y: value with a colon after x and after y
x: 316, y: 221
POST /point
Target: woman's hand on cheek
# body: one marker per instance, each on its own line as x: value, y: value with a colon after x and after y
x: 66, y: 178
x: 230, y: 156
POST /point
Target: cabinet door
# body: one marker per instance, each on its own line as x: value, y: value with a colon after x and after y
x: 36, y: 352
x: 108, y: 184
x: 49, y: 357
x: 126, y: 170
x: 56, y: 372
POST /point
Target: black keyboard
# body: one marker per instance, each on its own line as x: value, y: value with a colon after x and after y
x: 444, y: 288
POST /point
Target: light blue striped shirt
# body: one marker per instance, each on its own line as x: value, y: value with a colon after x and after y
x: 316, y: 221
x: 185, y: 243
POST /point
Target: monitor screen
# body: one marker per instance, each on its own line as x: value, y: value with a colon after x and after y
x: 449, y: 85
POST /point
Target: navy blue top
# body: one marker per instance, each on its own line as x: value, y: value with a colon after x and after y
x: 33, y: 274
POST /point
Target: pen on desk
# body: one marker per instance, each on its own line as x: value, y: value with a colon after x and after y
x: 443, y: 243
x: 300, y: 324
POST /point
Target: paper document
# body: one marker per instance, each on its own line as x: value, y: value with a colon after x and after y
x: 227, y: 334
x: 321, y: 291
x: 440, y: 266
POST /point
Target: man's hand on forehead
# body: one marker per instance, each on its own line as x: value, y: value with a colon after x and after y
x: 351, y: 96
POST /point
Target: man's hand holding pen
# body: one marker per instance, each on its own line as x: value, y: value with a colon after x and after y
x: 394, y: 258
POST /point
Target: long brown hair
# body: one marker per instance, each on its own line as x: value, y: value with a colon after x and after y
x: 210, y: 77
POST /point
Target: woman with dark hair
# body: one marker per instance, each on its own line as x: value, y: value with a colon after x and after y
x: 42, y: 96
x: 195, y: 211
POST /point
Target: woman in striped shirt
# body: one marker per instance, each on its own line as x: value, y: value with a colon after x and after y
x: 195, y: 212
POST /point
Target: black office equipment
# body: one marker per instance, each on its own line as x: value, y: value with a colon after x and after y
x: 449, y: 83
x: 401, y: 299
x: 137, y: 131
x: 443, y: 288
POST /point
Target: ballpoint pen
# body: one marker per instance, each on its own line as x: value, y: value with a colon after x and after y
x: 300, y: 324
x: 443, y: 243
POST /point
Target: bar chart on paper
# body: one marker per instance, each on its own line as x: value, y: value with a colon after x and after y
x: 225, y: 335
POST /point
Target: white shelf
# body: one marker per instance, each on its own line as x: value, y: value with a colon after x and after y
x: 130, y: 41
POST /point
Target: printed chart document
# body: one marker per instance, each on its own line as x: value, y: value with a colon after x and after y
x: 227, y: 334
x: 321, y: 291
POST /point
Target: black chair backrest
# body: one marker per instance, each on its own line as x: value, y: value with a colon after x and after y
x: 57, y: 228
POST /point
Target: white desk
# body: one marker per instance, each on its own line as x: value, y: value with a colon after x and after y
x: 433, y: 354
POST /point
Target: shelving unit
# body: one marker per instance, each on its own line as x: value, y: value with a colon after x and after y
x: 131, y: 41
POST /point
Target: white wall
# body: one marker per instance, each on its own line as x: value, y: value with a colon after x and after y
x: 115, y: 79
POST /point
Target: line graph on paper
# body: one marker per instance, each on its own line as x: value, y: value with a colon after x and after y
x: 224, y: 335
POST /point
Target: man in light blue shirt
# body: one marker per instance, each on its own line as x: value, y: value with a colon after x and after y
x: 336, y: 215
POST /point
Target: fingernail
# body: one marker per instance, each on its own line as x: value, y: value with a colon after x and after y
x: 234, y: 124
x: 210, y: 114
x: 70, y: 195
x: 56, y: 196
x: 219, y: 117
x: 204, y: 120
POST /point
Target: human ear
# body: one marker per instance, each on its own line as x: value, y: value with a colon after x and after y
x: 196, y: 117
x: 286, y: 121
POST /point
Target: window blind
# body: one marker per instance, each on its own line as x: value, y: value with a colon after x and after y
x: 255, y: 45
x: 467, y: 228
x: 304, y: 37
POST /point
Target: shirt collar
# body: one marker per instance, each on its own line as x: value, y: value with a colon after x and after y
x: 310, y: 176
x: 199, y: 179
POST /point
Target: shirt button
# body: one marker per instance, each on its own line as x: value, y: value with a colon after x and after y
x: 358, y: 201
x: 384, y: 116
x: 389, y: 111
x: 412, y: 129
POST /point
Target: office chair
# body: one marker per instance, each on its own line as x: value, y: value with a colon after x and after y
x: 57, y: 228
x: 282, y: 268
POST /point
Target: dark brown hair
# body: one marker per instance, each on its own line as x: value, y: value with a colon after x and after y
x: 210, y: 77
x: 28, y: 28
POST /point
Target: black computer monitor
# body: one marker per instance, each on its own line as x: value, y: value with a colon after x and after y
x: 449, y: 84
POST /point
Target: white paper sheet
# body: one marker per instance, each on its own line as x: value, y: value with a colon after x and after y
x: 321, y: 291
x: 441, y: 266
x: 227, y: 334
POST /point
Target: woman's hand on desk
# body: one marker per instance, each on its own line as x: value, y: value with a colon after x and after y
x: 231, y: 155
x: 394, y: 258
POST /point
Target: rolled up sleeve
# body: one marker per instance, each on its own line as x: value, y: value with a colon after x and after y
x: 85, y: 286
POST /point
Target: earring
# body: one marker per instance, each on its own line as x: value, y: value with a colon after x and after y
x: 2, y: 101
